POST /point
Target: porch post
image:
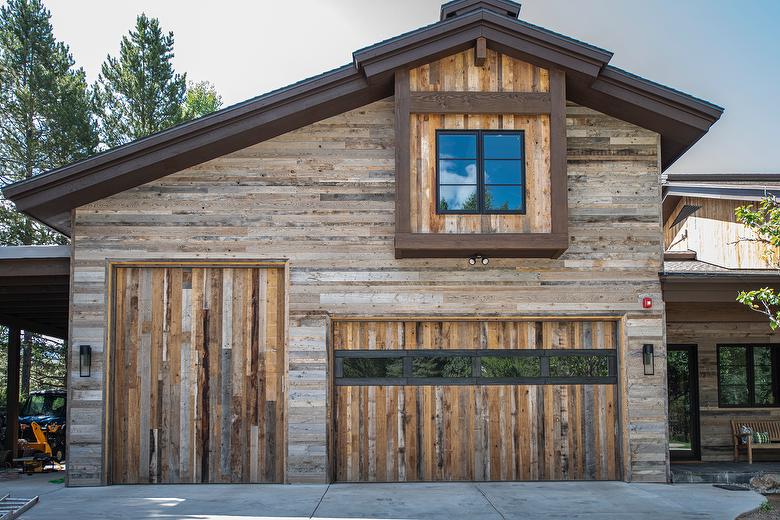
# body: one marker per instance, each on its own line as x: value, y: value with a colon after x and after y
x: 12, y: 390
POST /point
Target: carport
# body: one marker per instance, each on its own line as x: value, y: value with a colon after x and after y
x: 34, y: 291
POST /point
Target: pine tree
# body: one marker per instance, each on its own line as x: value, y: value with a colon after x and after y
x: 201, y: 99
x: 139, y: 93
x: 45, y: 122
x: 45, y: 112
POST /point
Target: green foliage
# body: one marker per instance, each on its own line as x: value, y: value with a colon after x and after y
x: 764, y: 222
x: 45, y: 113
x: 766, y: 507
x: 47, y: 369
x: 139, y: 93
x: 201, y: 99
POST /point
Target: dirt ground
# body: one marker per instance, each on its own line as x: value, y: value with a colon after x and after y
x: 773, y: 514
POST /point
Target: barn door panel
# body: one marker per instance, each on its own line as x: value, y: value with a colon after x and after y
x: 198, y: 361
x: 390, y: 428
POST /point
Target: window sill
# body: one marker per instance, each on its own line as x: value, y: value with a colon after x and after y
x: 494, y: 245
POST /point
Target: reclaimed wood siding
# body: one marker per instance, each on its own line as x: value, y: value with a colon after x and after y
x: 323, y: 197
x: 714, y: 233
x: 499, y: 74
x: 706, y: 326
x: 198, y: 366
x: 490, y: 432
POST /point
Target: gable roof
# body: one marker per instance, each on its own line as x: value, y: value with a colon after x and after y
x: 680, y: 119
x: 726, y: 186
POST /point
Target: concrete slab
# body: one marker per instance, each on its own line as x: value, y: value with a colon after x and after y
x: 550, y: 500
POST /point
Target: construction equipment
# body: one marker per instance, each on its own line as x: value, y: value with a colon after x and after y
x: 35, y: 455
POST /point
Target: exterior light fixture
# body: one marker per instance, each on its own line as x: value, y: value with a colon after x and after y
x: 648, y: 359
x: 473, y: 260
x: 85, y: 360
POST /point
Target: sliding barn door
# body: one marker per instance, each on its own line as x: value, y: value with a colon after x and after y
x: 197, y: 364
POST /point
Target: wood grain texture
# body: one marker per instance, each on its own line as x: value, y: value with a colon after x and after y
x: 198, y: 376
x: 714, y: 234
x: 491, y: 432
x: 323, y: 198
x: 500, y: 75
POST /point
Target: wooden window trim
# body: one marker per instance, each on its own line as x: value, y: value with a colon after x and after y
x: 751, y: 382
x: 480, y: 159
x: 509, y: 245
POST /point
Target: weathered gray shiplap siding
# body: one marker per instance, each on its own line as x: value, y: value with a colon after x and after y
x: 323, y: 198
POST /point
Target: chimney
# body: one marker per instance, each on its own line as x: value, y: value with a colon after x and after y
x: 460, y: 7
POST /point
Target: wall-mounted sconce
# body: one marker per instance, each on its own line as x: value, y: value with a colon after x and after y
x: 648, y: 358
x: 85, y: 360
x: 479, y: 259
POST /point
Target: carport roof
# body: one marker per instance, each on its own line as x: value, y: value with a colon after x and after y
x: 34, y: 287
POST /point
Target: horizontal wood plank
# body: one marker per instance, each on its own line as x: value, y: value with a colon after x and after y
x: 519, y: 103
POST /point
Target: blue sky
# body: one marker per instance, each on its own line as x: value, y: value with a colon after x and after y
x: 727, y: 52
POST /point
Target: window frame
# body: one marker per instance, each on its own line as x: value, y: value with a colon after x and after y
x: 750, y: 374
x: 480, y: 160
x: 476, y: 378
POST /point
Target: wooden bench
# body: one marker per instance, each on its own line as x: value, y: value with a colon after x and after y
x: 772, y: 427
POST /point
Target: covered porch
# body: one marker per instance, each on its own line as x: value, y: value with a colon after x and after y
x: 34, y: 297
x: 722, y: 365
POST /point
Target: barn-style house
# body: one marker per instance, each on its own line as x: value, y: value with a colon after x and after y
x: 455, y: 258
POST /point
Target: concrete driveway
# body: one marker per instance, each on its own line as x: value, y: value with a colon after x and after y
x: 564, y: 500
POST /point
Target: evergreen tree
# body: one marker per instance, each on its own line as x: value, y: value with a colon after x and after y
x: 45, y: 113
x: 45, y: 122
x: 139, y: 93
x: 201, y: 99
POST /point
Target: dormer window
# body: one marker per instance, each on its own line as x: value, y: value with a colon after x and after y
x: 480, y: 172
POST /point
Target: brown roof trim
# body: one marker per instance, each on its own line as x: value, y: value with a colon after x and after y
x: 713, y: 287
x: 460, y: 7
x: 51, y: 196
x: 535, y: 44
x: 680, y: 119
x: 723, y: 177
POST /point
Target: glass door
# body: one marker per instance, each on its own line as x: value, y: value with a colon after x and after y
x: 683, y: 383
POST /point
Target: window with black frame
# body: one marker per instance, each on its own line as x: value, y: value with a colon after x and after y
x: 475, y: 367
x: 480, y: 171
x: 748, y: 375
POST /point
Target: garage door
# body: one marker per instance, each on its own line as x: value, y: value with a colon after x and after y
x: 197, y: 375
x: 475, y: 400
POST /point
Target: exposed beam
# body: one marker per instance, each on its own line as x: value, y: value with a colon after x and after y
x: 47, y: 328
x: 522, y: 103
x: 463, y: 245
x: 480, y: 51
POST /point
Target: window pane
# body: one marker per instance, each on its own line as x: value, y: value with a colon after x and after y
x: 733, y: 379
x: 458, y: 198
x: 373, y: 367
x: 503, y: 172
x: 504, y: 198
x: 579, y: 366
x: 733, y: 395
x: 457, y: 172
x: 732, y: 355
x: 500, y: 366
x: 457, y: 146
x: 449, y: 366
x: 503, y: 146
x: 764, y: 394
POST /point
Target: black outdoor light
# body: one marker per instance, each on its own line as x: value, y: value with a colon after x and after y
x: 648, y: 357
x: 479, y: 259
x: 85, y: 360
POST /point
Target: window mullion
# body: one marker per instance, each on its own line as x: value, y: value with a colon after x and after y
x: 751, y: 375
